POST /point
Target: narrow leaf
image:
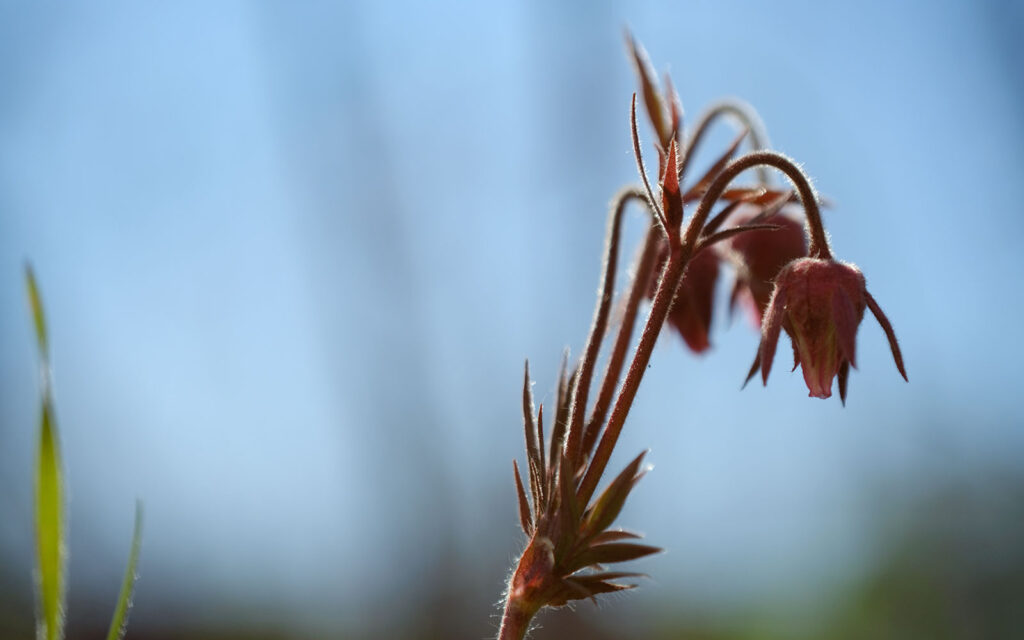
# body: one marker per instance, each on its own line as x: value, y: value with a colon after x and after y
x: 643, y: 172
x: 712, y: 225
x: 567, y: 489
x: 583, y: 587
x: 608, y: 575
x: 534, y: 466
x: 543, y: 462
x: 119, y: 623
x: 566, y: 391
x: 596, y: 587
x: 568, y: 591
x: 697, y: 190
x: 609, y: 504
x: 525, y: 519
x: 540, y: 435
x: 671, y: 199
x: 611, y: 553
x: 532, y: 448
x: 675, y: 109
x: 50, y: 529
x: 38, y: 316
x: 613, y: 536
x: 719, y: 236
x: 535, y: 486
x: 756, y: 195
x: 49, y: 492
x: 652, y: 97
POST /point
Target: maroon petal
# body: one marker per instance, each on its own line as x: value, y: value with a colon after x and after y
x: 845, y: 318
x: 770, y: 329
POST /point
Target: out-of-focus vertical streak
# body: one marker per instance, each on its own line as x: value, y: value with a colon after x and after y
x: 371, y: 318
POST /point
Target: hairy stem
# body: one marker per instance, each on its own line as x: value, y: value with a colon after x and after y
x: 600, y: 324
x: 748, y: 118
x: 670, y: 279
x: 613, y: 372
x: 817, y: 240
x: 515, y: 621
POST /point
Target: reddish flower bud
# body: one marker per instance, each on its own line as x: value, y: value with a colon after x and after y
x: 691, y: 308
x: 820, y: 304
x: 760, y: 256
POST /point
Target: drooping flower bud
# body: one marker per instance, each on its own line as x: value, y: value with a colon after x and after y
x: 820, y: 303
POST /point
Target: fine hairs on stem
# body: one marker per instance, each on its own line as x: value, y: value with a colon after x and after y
x: 570, y: 540
x: 730, y: 108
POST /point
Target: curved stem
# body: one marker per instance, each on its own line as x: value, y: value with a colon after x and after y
x: 742, y: 112
x: 600, y: 324
x: 675, y: 267
x: 817, y: 240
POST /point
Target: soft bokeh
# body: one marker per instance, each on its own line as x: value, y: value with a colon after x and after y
x: 294, y: 255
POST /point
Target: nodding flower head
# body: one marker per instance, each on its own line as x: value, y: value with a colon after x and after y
x: 820, y: 303
x: 690, y: 314
x: 759, y: 256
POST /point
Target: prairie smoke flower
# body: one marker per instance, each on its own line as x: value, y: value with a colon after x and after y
x: 820, y: 303
x: 759, y: 256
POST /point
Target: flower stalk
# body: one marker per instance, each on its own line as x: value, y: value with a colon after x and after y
x: 570, y: 539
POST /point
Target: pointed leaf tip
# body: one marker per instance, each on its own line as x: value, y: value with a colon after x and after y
x: 525, y: 519
x: 844, y: 376
x: 529, y: 426
x: 609, y: 504
x: 611, y: 553
x: 119, y: 623
x: 671, y: 198
x: 894, y: 345
x: 35, y: 302
x: 652, y: 94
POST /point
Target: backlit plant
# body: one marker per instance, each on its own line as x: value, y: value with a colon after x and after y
x: 50, y: 506
x: 785, y: 275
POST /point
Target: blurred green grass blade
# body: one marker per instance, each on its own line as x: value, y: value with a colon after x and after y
x: 119, y: 623
x: 50, y: 529
x: 50, y: 524
x: 38, y: 317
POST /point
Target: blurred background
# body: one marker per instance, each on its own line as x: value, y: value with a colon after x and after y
x: 294, y: 255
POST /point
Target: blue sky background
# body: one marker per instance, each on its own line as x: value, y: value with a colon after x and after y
x: 294, y: 257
